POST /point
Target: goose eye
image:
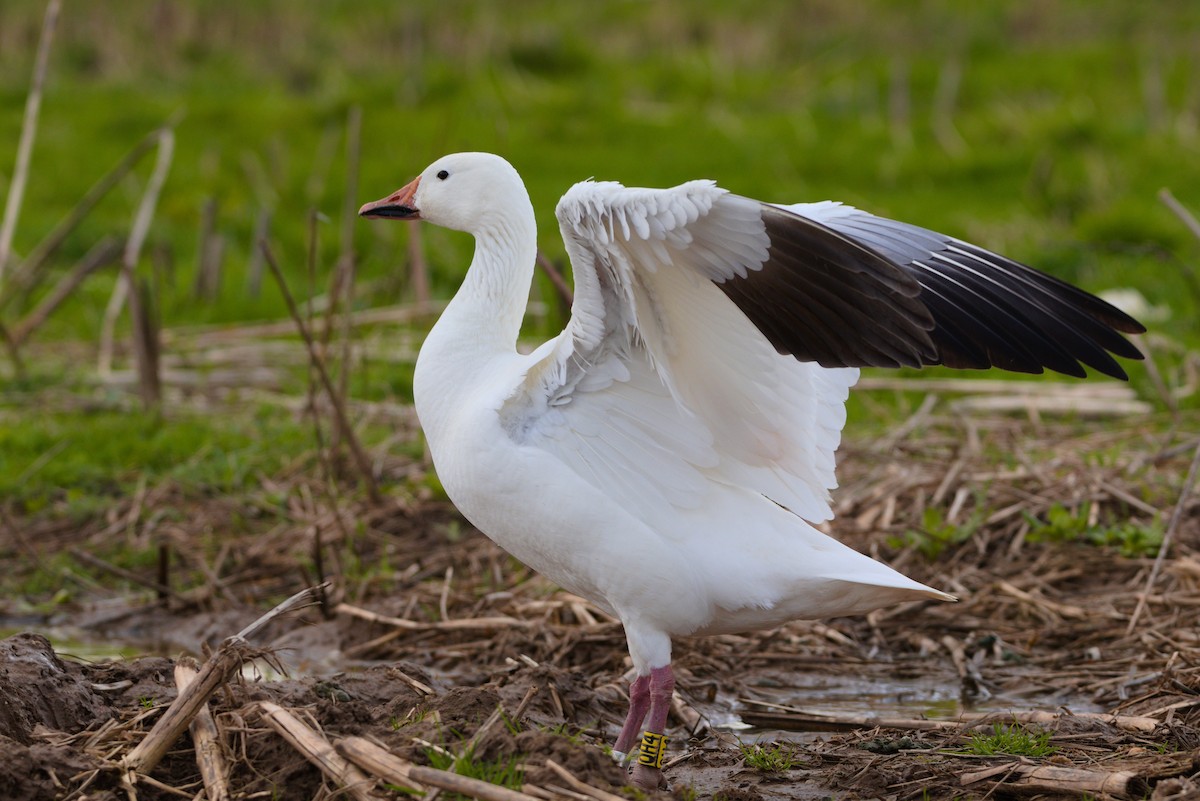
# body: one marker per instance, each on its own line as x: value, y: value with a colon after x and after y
x: 443, y: 175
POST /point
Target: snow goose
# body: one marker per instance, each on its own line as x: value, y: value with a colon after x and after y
x: 668, y: 453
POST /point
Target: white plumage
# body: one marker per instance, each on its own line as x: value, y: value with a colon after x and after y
x: 667, y: 454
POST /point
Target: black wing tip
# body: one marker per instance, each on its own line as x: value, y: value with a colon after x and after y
x: 826, y: 296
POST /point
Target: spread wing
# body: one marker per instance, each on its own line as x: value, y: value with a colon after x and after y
x: 987, y: 310
x: 676, y: 377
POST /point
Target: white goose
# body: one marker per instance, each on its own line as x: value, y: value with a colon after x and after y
x: 666, y: 454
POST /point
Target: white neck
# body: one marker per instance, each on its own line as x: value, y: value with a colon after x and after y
x: 484, y: 318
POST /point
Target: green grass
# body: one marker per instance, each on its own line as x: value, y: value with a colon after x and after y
x: 74, y: 459
x: 937, y: 534
x: 504, y: 771
x: 771, y: 758
x: 1063, y: 147
x: 1011, y: 741
x: 1128, y: 538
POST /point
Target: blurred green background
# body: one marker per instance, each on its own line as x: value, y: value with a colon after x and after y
x: 1041, y: 129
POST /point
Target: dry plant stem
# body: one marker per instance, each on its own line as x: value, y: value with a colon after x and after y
x: 899, y: 104
x: 262, y: 229
x: 1054, y: 779
x: 219, y: 667
x: 1131, y: 723
x: 529, y: 694
x: 1161, y: 389
x: 391, y: 768
x: 556, y: 278
x: 208, y: 262
x: 482, y: 731
x: 1188, y: 484
x: 324, y: 455
x: 418, y: 270
x: 210, y: 755
x: 43, y: 250
x: 377, y: 761
x: 101, y: 255
x: 13, y: 348
x: 95, y: 561
x: 360, y: 458
x: 346, y: 258
x: 146, y: 352
x: 145, y: 330
x: 944, y: 99
x: 687, y: 714
x: 33, y: 104
x: 317, y: 750
x: 1180, y: 211
x: 484, y: 623
x: 580, y: 786
x: 198, y: 337
x: 1193, y: 225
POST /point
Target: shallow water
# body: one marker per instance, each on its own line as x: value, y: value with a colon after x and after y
x: 82, y: 646
x: 73, y: 643
x: 929, y: 697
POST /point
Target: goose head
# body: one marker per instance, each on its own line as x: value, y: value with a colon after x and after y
x: 463, y: 191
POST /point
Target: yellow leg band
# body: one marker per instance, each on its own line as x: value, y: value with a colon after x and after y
x: 652, y: 750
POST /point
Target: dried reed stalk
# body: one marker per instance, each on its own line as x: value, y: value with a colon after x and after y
x: 319, y: 751
x: 254, y: 271
x: 565, y: 296
x: 459, y: 624
x: 33, y: 104
x: 899, y: 104
x: 145, y: 325
x: 346, y: 262
x: 687, y: 714
x: 806, y: 721
x: 360, y: 457
x: 208, y: 255
x: 208, y: 336
x: 101, y: 255
x: 1189, y: 484
x: 945, y: 97
x: 418, y: 268
x: 30, y: 266
x: 1179, y: 210
x: 1189, y: 220
x: 580, y: 786
x: 226, y: 660
x: 324, y: 454
x: 1053, y: 779
x: 1132, y: 723
x: 14, y: 350
x: 391, y: 768
x: 206, y: 737
x: 144, y: 339
x: 95, y: 561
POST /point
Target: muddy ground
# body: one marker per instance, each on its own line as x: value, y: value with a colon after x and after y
x: 842, y: 708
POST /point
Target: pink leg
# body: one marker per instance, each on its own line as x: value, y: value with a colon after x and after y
x: 639, y: 701
x: 647, y: 773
